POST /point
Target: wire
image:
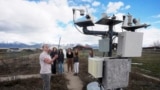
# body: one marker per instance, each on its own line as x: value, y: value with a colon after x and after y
x: 75, y: 24
x: 100, y: 83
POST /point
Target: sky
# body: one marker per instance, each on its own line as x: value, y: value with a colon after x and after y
x: 46, y: 21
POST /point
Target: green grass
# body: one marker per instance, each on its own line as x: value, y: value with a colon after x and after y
x: 150, y: 63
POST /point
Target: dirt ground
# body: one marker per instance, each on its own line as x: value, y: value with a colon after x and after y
x: 75, y: 82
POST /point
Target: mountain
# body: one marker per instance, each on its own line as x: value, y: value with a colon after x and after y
x: 37, y: 45
x: 18, y: 45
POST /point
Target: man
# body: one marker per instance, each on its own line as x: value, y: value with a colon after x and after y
x: 45, y: 64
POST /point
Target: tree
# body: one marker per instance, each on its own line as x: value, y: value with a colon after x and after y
x: 156, y: 43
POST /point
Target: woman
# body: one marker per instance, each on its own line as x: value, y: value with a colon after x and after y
x: 76, y: 62
x: 69, y: 55
x: 60, y: 61
x: 52, y: 54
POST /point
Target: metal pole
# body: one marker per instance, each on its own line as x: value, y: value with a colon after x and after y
x: 110, y: 32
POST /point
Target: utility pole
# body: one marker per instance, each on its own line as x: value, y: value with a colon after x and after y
x: 59, y: 42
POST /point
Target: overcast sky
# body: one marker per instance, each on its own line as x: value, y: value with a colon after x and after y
x: 45, y: 21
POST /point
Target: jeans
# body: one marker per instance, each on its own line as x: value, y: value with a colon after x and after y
x: 60, y: 67
x: 46, y: 81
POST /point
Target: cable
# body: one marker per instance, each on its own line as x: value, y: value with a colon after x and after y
x: 75, y: 25
x: 100, y: 83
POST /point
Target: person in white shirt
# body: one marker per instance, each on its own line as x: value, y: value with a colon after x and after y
x: 45, y: 66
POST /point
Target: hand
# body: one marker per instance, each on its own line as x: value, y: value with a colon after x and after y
x: 56, y: 56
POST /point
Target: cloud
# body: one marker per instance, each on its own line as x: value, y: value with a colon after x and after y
x: 27, y: 22
x: 113, y: 7
x: 127, y: 7
x: 156, y: 22
x: 87, y: 0
x: 11, y: 37
x: 150, y: 36
x: 31, y: 21
x: 96, y: 3
x: 156, y: 16
x: 44, y: 22
x: 22, y: 16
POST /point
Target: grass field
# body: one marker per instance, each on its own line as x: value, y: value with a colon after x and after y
x: 150, y: 63
x: 19, y: 63
x: 57, y: 83
x: 25, y: 63
x: 28, y: 63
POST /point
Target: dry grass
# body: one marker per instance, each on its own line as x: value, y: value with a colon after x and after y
x: 138, y: 82
x: 57, y: 83
x: 22, y: 64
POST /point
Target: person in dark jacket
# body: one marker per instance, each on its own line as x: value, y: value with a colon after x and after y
x: 60, y: 61
x: 69, y: 55
x: 52, y: 54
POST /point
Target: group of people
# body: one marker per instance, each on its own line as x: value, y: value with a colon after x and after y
x: 48, y: 60
x: 58, y: 61
x: 72, y: 61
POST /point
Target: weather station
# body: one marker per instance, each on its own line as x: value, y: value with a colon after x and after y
x: 112, y: 72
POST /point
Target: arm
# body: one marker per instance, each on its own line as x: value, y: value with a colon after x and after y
x: 47, y: 60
